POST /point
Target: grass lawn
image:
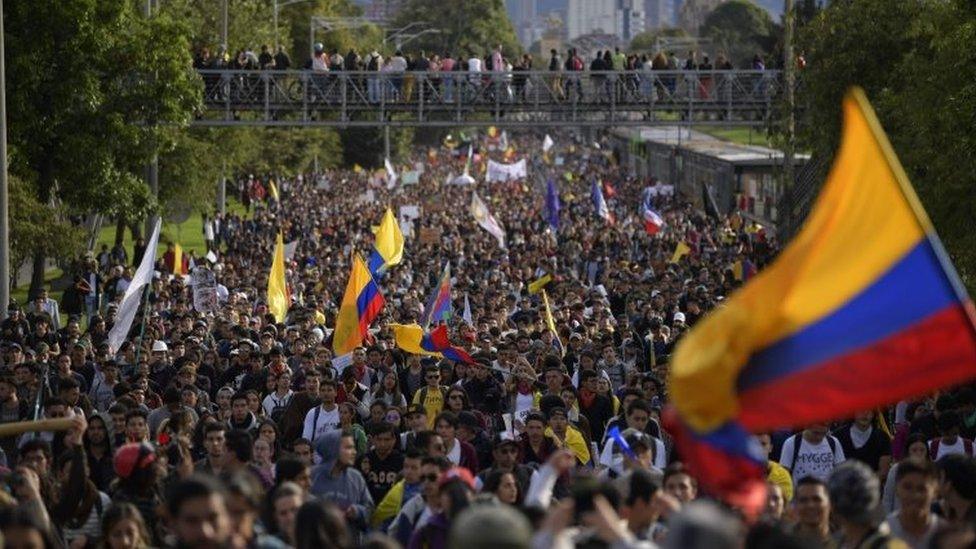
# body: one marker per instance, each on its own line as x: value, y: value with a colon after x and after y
x: 189, y: 234
x: 743, y: 136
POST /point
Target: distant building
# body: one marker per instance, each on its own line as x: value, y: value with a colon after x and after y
x: 658, y: 13
x: 623, y: 18
x: 524, y: 15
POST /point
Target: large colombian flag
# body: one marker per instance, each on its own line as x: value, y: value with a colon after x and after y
x: 439, y: 305
x: 411, y: 338
x: 863, y: 308
x: 361, y: 304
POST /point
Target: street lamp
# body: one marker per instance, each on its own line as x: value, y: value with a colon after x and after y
x: 403, y: 29
x: 411, y: 37
x: 277, y: 7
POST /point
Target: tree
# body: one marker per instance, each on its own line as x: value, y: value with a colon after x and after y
x: 35, y: 226
x: 468, y: 27
x: 906, y: 56
x: 742, y: 29
x: 91, y: 84
x: 692, y: 13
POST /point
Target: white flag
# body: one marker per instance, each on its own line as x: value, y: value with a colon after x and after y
x: 391, y: 176
x: 486, y: 220
x: 466, y: 315
x: 503, y: 142
x: 547, y: 143
x: 211, y: 256
x: 133, y: 294
x: 467, y: 163
x: 290, y: 249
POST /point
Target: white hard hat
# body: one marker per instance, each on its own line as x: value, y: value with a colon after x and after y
x: 159, y: 346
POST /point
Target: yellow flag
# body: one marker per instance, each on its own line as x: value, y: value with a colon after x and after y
x: 356, y: 168
x: 277, y: 287
x: 539, y: 284
x: 389, y: 239
x: 177, y: 259
x: 273, y: 190
x: 551, y: 323
x: 680, y: 251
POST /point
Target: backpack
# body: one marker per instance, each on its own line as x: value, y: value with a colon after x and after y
x: 372, y: 65
x: 967, y: 447
x: 577, y: 64
x: 798, y: 438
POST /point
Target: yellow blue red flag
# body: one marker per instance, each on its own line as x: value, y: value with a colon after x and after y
x: 361, y: 304
x: 863, y: 308
x: 412, y: 339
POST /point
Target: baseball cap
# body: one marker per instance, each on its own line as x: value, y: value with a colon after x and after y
x: 679, y: 317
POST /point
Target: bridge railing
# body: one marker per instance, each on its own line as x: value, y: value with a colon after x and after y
x: 345, y: 94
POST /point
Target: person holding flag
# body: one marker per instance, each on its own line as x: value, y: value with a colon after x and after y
x: 439, y: 308
x: 361, y: 304
x: 600, y: 204
x: 862, y: 309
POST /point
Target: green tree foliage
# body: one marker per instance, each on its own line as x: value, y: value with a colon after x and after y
x: 35, y: 226
x: 646, y: 42
x: 469, y: 26
x: 91, y: 84
x: 741, y: 29
x: 908, y: 58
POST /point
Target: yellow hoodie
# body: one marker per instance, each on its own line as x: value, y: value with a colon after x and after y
x: 575, y: 442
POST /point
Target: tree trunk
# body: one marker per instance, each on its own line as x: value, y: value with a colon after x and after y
x: 136, y: 230
x: 119, y: 231
x: 45, y: 180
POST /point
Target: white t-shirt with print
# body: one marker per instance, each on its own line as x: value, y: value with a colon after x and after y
x: 813, y: 460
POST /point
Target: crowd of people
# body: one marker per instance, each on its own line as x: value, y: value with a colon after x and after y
x: 507, y: 74
x: 227, y: 427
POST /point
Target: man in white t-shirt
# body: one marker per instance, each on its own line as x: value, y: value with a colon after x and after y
x: 949, y: 442
x: 816, y: 456
x: 324, y: 418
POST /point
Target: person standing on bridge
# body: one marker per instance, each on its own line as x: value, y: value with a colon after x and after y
x: 555, y: 83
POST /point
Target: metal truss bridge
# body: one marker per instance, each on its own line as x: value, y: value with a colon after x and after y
x: 505, y: 99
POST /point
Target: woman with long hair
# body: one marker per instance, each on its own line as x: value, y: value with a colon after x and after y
x: 503, y: 485
x: 388, y: 391
x: 268, y: 430
x: 123, y: 528
x: 457, y: 400
x: 347, y: 422
x: 320, y: 524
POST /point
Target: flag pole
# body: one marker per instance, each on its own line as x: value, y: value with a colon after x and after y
x: 142, y: 325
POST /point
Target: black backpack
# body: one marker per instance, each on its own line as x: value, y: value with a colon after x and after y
x: 798, y: 441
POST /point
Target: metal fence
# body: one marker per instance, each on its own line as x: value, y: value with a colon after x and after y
x: 361, y: 98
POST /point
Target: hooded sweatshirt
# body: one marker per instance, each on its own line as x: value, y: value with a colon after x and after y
x: 346, y: 488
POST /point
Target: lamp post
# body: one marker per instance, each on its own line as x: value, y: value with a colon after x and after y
x: 4, y: 205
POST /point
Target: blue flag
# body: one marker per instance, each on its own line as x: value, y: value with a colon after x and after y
x: 552, y: 205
